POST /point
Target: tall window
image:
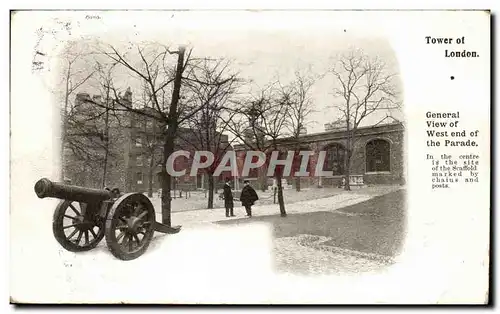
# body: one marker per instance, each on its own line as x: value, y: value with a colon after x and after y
x: 138, y: 141
x: 139, y: 177
x: 138, y: 161
x: 335, y: 159
x: 378, y: 153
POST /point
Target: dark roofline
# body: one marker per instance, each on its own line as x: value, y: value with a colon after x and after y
x: 343, y: 130
x: 340, y: 133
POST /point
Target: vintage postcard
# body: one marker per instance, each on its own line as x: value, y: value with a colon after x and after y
x: 250, y: 157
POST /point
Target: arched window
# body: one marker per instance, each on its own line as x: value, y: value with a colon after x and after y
x: 378, y: 154
x: 335, y: 159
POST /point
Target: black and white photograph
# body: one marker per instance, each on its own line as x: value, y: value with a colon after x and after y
x: 250, y: 157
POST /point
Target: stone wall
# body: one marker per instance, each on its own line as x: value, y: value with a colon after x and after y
x: 392, y: 133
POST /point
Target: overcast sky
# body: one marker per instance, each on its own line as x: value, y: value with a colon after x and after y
x: 259, y: 52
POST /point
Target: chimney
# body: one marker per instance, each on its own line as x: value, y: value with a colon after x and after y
x: 81, y: 98
x: 128, y: 95
x: 248, y: 135
x: 96, y: 98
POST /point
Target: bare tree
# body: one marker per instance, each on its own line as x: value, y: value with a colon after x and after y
x: 92, y: 127
x: 85, y: 139
x: 74, y: 77
x: 364, y: 86
x: 205, y: 128
x: 260, y: 123
x: 103, y: 76
x: 151, y: 64
x: 153, y: 70
x: 151, y: 148
x: 297, y: 94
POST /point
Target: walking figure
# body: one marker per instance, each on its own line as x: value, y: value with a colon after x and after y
x: 248, y: 197
x: 228, y: 199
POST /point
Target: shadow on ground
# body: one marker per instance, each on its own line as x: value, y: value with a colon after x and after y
x: 374, y: 226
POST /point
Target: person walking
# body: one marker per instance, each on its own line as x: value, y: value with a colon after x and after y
x: 248, y: 197
x: 228, y: 199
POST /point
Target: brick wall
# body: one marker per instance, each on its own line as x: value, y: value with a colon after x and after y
x: 392, y: 133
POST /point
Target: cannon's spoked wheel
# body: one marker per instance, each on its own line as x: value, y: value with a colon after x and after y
x: 75, y: 227
x: 130, y: 226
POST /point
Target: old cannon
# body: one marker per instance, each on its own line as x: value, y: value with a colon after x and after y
x: 84, y: 216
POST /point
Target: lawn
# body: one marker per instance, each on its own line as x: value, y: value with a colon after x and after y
x: 374, y: 226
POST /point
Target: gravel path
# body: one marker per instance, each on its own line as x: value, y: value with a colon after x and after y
x: 326, y: 203
x: 198, y: 200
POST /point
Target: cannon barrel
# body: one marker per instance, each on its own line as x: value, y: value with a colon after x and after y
x: 46, y: 188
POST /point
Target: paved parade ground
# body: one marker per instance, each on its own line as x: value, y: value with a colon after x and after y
x: 345, y: 233
x: 197, y: 200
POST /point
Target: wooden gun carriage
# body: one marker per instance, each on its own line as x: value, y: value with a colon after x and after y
x: 85, y: 216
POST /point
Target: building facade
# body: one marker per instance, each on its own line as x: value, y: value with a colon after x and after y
x: 143, y: 155
x: 93, y: 143
x: 134, y: 145
x: 377, y: 158
x: 135, y: 156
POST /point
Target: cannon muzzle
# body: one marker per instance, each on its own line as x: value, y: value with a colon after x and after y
x: 46, y: 188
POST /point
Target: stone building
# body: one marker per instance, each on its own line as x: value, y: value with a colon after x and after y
x: 135, y: 154
x: 378, y: 156
x: 90, y: 131
x: 143, y: 156
x: 135, y: 148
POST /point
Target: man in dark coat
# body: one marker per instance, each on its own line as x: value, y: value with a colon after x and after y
x: 228, y: 199
x: 248, y: 197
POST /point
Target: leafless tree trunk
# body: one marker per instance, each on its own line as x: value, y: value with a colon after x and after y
x: 151, y: 174
x: 211, y: 89
x: 262, y: 179
x: 169, y: 146
x: 71, y: 84
x: 297, y: 95
x: 156, y: 74
x: 364, y: 87
x: 261, y: 122
x: 105, y: 82
x: 210, y: 191
x: 106, y: 147
x: 279, y: 184
x: 281, y: 200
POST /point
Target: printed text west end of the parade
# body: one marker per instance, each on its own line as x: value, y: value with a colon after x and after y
x: 451, y: 167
